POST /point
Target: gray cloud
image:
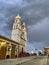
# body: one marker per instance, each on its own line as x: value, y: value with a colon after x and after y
x: 34, y: 12
x: 40, y: 31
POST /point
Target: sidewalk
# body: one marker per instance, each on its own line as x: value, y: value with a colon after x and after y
x: 15, y: 61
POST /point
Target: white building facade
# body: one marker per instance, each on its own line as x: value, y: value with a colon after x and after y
x: 19, y: 33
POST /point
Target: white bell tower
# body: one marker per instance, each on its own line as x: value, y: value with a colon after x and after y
x: 24, y: 32
x: 16, y: 31
x: 24, y: 35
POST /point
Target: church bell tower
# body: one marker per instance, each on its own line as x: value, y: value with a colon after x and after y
x: 19, y: 33
x: 16, y: 31
x: 24, y: 35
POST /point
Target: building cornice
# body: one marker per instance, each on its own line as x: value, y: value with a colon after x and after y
x: 2, y: 38
x: 22, y: 39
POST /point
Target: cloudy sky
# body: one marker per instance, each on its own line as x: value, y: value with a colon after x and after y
x: 35, y: 13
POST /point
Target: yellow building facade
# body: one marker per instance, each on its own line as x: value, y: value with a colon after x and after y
x: 46, y: 49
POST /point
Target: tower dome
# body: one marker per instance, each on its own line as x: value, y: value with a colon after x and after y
x: 18, y: 17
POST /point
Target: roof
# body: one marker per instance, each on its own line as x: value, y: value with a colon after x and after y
x: 18, y: 17
x: 46, y: 47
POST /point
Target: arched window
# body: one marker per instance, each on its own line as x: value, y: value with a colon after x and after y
x: 22, y: 35
x: 16, y: 26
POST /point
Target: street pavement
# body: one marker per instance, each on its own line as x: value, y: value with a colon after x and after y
x: 48, y: 61
x: 40, y: 60
x: 15, y: 61
x: 36, y: 61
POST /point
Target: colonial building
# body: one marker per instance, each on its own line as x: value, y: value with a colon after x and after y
x: 19, y: 33
x: 17, y: 44
x: 46, y: 49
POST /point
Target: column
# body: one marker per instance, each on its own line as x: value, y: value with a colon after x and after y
x: 18, y: 51
x: 13, y: 51
x: 3, y: 50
